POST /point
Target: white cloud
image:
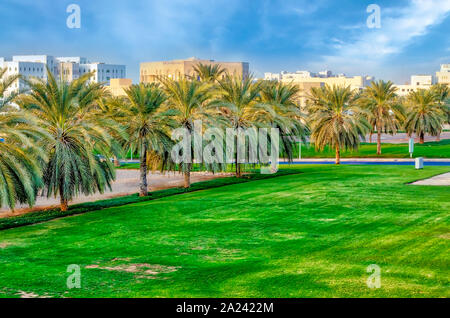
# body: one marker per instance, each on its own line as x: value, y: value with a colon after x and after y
x: 399, y: 28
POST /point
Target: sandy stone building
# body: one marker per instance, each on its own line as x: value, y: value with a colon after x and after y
x: 118, y: 86
x: 175, y: 69
x: 443, y: 76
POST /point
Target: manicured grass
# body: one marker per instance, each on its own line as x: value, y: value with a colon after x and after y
x: 307, y: 235
x: 46, y: 215
x: 369, y: 150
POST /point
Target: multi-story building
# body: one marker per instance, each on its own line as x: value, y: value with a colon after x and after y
x: 66, y: 68
x: 325, y: 77
x: 422, y: 80
x: 417, y: 82
x: 443, y: 76
x: 151, y: 71
x: 306, y: 80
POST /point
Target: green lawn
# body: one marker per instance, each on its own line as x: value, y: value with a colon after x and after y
x: 428, y: 150
x: 307, y: 235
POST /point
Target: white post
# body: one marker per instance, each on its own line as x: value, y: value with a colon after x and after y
x: 411, y: 147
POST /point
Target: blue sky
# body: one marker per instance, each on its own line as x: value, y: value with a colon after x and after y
x: 270, y: 35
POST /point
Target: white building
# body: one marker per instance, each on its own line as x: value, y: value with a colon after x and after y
x: 323, y: 77
x: 67, y: 68
x: 103, y: 72
x: 272, y: 76
x: 417, y: 82
x: 422, y: 80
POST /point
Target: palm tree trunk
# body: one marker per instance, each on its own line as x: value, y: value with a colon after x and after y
x: 187, y: 176
x: 64, y: 205
x: 370, y: 137
x: 116, y: 162
x: 438, y: 137
x: 143, y: 173
x: 238, y: 165
x: 378, y: 141
x: 422, y: 138
x: 338, y: 155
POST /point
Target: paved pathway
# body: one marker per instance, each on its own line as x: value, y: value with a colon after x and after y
x: 440, y: 180
x: 127, y: 182
x: 369, y: 161
x: 402, y: 138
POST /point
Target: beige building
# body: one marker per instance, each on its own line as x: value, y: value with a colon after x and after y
x: 305, y: 89
x: 443, y: 76
x: 118, y: 85
x: 151, y: 71
x: 69, y: 71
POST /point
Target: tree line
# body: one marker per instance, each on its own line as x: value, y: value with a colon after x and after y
x: 56, y: 138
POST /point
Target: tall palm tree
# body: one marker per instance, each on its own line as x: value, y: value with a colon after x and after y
x: 335, y: 119
x: 384, y: 112
x: 147, y: 125
x: 442, y: 94
x: 424, y: 116
x: 187, y: 99
x: 67, y: 112
x: 20, y: 172
x: 240, y: 101
x: 6, y: 82
x: 209, y: 73
x: 289, y: 119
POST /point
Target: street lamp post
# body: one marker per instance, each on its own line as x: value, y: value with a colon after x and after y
x: 411, y: 147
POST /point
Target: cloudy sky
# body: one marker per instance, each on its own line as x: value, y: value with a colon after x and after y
x: 272, y: 35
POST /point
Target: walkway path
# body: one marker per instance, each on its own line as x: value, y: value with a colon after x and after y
x: 369, y: 161
x: 127, y: 182
x: 440, y: 180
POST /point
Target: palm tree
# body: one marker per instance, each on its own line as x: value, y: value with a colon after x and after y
x: 336, y: 120
x: 289, y: 119
x: 240, y: 101
x: 424, y: 116
x: 187, y: 99
x: 67, y: 111
x: 147, y: 125
x: 6, y: 82
x: 20, y: 173
x: 384, y: 112
x: 107, y: 108
x: 209, y: 73
x: 442, y: 94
